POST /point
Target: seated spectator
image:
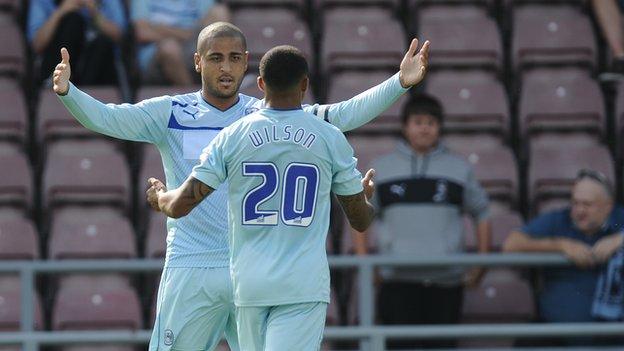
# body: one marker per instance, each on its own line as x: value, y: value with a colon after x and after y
x: 166, y: 31
x: 87, y: 28
x: 422, y: 191
x: 588, y: 233
x: 609, y: 16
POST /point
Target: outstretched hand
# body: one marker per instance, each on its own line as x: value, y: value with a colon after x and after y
x: 414, y: 64
x: 61, y: 75
x: 152, y: 192
x: 369, y: 184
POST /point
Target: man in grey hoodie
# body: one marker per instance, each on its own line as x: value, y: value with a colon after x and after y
x: 422, y: 192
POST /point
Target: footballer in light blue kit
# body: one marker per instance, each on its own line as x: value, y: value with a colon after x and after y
x: 281, y: 165
x: 195, y: 298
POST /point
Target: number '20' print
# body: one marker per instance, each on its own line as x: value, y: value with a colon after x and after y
x: 299, y: 191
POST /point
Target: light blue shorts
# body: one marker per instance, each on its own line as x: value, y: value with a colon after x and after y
x: 195, y: 308
x: 281, y: 328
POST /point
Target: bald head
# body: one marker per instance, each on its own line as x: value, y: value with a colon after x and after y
x: 218, y: 30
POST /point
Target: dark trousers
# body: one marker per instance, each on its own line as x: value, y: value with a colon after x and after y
x: 92, y: 59
x: 414, y: 303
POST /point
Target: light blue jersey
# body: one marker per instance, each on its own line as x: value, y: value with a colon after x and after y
x: 181, y: 127
x: 281, y: 167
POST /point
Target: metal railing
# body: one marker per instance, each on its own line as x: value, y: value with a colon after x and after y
x: 371, y: 337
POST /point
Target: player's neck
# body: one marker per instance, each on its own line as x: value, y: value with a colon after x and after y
x: 282, y: 102
x: 220, y: 103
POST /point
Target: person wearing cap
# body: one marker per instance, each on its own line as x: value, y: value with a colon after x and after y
x: 422, y: 192
x: 588, y: 233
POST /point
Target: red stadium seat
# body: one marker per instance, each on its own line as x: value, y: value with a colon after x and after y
x: 16, y: 186
x: 560, y: 100
x: 12, y: 50
x: 552, y: 34
x: 367, y: 148
x: 355, y: 38
x: 94, y: 233
x: 55, y: 121
x: 86, y: 303
x: 473, y: 101
x: 267, y: 28
x: 14, y: 116
x: 10, y: 308
x: 297, y: 4
x: 502, y: 224
x: 619, y: 119
x: 555, y: 161
x: 499, y: 299
x: 18, y: 239
x: 461, y: 36
x: 91, y: 172
x: 155, y: 245
x: 494, y: 165
x: 330, y: 3
x: 346, y: 85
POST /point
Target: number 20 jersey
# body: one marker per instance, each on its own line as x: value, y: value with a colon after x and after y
x: 281, y: 166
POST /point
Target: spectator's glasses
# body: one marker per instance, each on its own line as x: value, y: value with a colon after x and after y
x: 597, y: 177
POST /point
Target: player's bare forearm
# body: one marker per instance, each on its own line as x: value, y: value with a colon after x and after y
x: 358, y: 210
x: 179, y: 202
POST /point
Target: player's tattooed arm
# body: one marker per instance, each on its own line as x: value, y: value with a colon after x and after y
x: 358, y: 210
x: 178, y: 202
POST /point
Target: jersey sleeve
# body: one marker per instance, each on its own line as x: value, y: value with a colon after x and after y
x: 347, y: 180
x: 145, y: 121
x: 476, y: 201
x: 211, y: 169
x: 362, y: 108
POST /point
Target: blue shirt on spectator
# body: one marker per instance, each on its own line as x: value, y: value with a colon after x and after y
x: 567, y: 293
x: 40, y: 10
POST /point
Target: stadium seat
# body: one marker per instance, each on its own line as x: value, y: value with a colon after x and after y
x: 19, y: 239
x: 10, y: 300
x: 250, y: 87
x: 499, y: 299
x: 473, y: 101
x: 12, y: 50
x: 367, y: 148
x: 566, y: 99
x: 11, y: 6
x: 91, y: 172
x: 267, y: 28
x: 356, y: 38
x: 348, y: 84
x: 555, y: 161
x: 16, y: 186
x: 494, y: 165
x: 619, y: 119
x: 461, y: 36
x: 552, y: 34
x: 55, y: 122
x: 14, y: 116
x: 156, y: 235
x: 319, y: 4
x: 235, y: 4
x: 551, y: 205
x: 95, y: 303
x: 502, y: 224
x: 95, y: 233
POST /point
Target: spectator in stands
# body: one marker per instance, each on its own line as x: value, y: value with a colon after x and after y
x: 609, y: 16
x: 166, y: 31
x: 88, y: 28
x: 422, y: 191
x: 588, y: 233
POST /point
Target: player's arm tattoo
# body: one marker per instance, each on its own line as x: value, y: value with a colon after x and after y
x: 179, y: 202
x: 359, y: 212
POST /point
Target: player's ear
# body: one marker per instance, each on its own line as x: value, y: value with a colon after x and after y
x: 197, y: 60
x: 305, y: 84
x: 260, y: 82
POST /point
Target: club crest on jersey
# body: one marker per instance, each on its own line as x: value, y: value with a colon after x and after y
x: 441, y: 191
x: 398, y: 189
x: 168, y: 337
x: 250, y: 110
